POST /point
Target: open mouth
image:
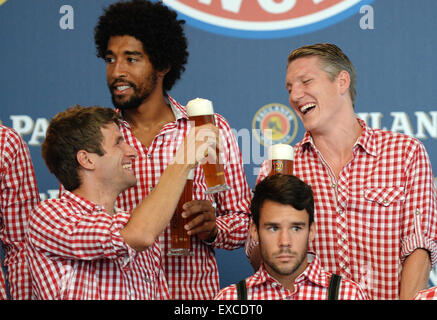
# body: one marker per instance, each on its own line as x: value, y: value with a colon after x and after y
x: 307, y: 108
x: 118, y: 90
x: 127, y: 166
x: 120, y: 87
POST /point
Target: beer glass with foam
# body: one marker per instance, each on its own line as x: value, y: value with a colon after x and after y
x: 281, y: 156
x: 201, y: 111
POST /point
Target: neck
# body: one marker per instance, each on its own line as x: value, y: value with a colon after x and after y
x: 100, y: 195
x: 152, y: 110
x: 336, y: 145
x: 341, y: 137
x: 287, y: 280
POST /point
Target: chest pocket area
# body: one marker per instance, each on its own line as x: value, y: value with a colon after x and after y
x: 383, y: 207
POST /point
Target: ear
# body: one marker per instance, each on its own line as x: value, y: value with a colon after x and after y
x: 344, y: 81
x: 162, y: 73
x: 312, y: 234
x: 85, y: 160
x: 254, y: 231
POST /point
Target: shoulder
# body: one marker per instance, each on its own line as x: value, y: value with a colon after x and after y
x: 51, y: 205
x: 11, y: 141
x: 227, y: 293
x: 53, y: 209
x: 9, y: 133
x: 387, y: 137
x: 222, y: 123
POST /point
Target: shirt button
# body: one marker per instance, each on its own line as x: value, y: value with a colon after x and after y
x: 149, y: 156
x: 333, y: 185
x: 385, y: 201
x: 340, y: 212
x: 417, y: 212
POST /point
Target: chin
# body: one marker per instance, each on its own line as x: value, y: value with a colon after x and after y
x: 127, y: 103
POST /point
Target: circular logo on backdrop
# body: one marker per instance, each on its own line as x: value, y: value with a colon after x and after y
x: 264, y: 18
x: 2, y: 1
x: 275, y: 123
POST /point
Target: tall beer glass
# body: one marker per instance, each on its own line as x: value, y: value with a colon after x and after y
x: 180, y: 244
x: 201, y: 112
x: 281, y: 156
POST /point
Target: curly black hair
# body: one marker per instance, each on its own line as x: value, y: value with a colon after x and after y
x: 155, y: 25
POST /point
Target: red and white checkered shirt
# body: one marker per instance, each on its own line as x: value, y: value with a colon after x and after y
x: 75, y: 251
x: 19, y: 195
x: 428, y: 294
x: 192, y: 277
x: 382, y: 207
x: 312, y: 284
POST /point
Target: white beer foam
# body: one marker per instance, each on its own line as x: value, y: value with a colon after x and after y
x: 199, y: 107
x: 281, y: 152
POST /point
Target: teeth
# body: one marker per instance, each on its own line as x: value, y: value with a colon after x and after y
x: 121, y: 88
x: 304, y: 109
x: 127, y: 166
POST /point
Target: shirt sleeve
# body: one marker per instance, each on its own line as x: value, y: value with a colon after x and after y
x: 61, y: 230
x: 420, y: 216
x: 19, y: 195
x: 233, y: 205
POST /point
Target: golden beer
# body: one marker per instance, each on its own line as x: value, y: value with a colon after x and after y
x: 282, y: 167
x: 201, y: 112
x: 281, y: 156
x: 180, y: 244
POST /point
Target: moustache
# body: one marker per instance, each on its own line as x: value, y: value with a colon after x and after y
x: 286, y: 252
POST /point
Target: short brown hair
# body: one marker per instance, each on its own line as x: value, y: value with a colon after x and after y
x: 333, y: 62
x: 283, y: 189
x: 77, y: 128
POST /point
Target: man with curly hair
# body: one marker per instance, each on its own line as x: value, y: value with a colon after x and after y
x: 145, y: 50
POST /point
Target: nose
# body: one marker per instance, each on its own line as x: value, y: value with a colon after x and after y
x: 284, y: 238
x: 117, y: 69
x: 296, y: 94
x: 129, y: 151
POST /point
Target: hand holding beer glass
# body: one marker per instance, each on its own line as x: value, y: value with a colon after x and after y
x: 201, y: 111
x: 281, y: 157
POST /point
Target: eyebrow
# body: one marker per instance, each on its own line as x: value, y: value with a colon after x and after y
x: 294, y: 224
x: 127, y: 52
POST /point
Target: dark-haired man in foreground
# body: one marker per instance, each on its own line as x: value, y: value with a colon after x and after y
x: 283, y: 214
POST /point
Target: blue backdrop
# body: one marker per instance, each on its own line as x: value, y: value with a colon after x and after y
x: 48, y: 63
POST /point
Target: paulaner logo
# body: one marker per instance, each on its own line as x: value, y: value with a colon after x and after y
x: 2, y: 1
x: 264, y: 18
x: 278, y: 120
